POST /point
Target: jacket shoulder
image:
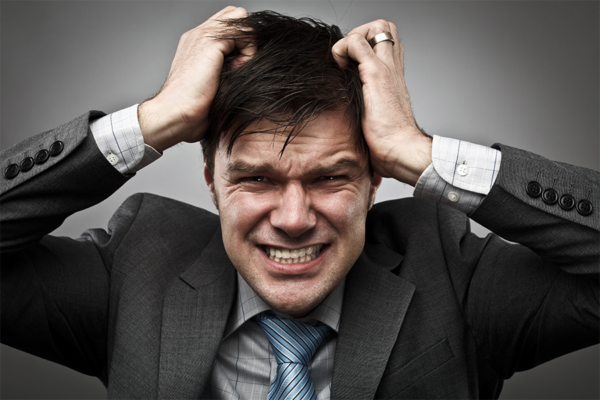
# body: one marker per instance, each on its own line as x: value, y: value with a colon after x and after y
x: 400, y: 221
x: 147, y: 221
x: 146, y: 210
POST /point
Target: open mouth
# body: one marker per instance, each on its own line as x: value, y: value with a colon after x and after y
x: 286, y: 256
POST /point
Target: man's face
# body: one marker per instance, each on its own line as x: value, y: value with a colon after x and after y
x: 294, y: 225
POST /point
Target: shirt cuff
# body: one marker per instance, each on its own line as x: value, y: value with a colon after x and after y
x: 431, y: 186
x: 119, y: 138
x: 461, y: 174
x: 466, y: 165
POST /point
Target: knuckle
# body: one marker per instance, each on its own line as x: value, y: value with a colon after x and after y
x: 211, y: 31
x: 355, y: 37
x: 382, y: 24
x: 184, y: 37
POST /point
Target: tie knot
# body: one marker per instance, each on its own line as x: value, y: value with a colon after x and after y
x: 292, y: 341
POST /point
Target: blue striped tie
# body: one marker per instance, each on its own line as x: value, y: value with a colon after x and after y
x: 294, y: 344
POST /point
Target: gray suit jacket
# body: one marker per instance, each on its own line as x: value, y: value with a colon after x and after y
x: 430, y: 310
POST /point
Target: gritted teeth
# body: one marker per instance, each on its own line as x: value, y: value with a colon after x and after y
x: 286, y: 256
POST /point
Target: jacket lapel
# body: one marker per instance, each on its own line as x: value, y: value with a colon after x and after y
x: 195, y: 313
x: 375, y: 303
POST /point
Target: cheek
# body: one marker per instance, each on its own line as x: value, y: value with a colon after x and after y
x: 240, y: 212
x: 343, y: 210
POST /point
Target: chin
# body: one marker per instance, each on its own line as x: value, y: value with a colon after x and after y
x: 294, y: 298
x: 295, y: 309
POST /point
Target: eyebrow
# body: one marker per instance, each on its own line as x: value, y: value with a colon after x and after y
x: 242, y: 167
x: 342, y: 163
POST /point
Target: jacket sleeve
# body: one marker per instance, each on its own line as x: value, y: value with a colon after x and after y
x: 529, y: 303
x: 55, y: 290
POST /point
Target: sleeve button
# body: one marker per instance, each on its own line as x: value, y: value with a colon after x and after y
x: 566, y: 202
x: 453, y: 197
x: 550, y: 196
x: 56, y: 148
x: 462, y: 170
x: 584, y: 207
x: 26, y: 164
x: 534, y: 189
x: 11, y: 171
x: 41, y: 156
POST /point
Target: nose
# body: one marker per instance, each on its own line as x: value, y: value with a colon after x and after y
x: 293, y: 215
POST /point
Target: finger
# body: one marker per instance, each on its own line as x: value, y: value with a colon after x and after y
x: 223, y: 12
x: 246, y: 48
x: 389, y: 52
x: 353, y: 46
x: 398, y: 49
x: 216, y: 27
x: 388, y: 44
x: 232, y: 12
x: 372, y: 28
x: 247, y: 51
x: 218, y: 21
x: 384, y: 50
x: 245, y: 45
x: 339, y: 50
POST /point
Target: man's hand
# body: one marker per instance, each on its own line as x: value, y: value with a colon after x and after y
x: 398, y: 147
x: 179, y: 112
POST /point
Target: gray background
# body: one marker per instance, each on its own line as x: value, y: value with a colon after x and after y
x: 520, y: 73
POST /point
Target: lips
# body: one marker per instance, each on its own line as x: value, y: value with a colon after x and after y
x: 295, y: 256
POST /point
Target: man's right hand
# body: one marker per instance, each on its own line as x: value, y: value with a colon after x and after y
x: 179, y: 112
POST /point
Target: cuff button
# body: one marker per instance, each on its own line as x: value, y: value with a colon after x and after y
x: 41, y: 156
x: 550, y: 196
x: 26, y: 164
x: 112, y: 159
x: 462, y: 170
x: 566, y: 202
x: 584, y: 207
x: 534, y: 189
x: 11, y: 171
x: 56, y: 148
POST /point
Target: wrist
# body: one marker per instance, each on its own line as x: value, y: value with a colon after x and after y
x: 161, y: 126
x: 411, y: 156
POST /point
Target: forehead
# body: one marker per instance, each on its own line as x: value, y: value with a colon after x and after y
x: 327, y: 139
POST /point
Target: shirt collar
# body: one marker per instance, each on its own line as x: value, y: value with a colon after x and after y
x: 250, y: 304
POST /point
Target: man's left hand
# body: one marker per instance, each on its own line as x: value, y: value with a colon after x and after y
x: 399, y: 149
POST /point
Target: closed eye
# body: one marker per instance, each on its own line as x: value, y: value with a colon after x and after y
x: 331, y: 178
x: 258, y: 179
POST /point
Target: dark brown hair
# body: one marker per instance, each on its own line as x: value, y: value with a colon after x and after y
x: 289, y: 80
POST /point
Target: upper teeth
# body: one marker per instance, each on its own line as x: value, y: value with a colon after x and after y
x: 294, y: 256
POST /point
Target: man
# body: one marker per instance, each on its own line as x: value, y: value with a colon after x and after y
x: 311, y: 197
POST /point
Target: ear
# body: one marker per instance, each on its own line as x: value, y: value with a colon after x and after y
x: 377, y: 179
x: 208, y: 178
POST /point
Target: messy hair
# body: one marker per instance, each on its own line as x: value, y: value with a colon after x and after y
x: 289, y: 80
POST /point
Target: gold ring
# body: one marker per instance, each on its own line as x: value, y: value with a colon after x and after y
x: 382, y: 37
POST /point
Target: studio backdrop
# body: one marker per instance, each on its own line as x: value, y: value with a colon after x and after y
x: 519, y: 73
